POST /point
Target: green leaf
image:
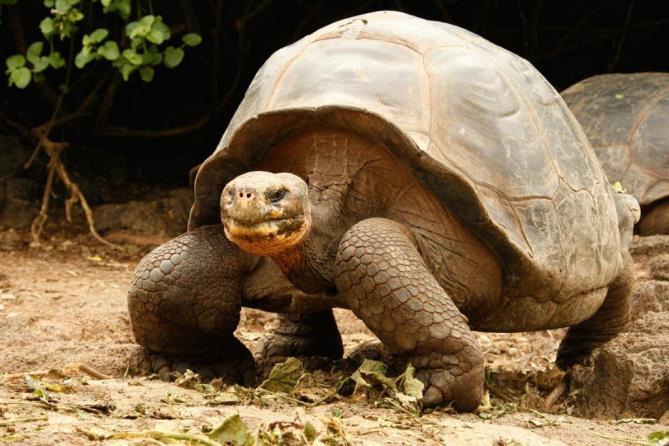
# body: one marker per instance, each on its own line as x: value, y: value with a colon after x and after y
x: 109, y: 50
x: 34, y: 51
x: 141, y: 27
x: 192, y: 39
x: 126, y: 70
x: 7, y: 2
x: 284, y: 376
x: 49, y: 3
x: 40, y: 64
x: 15, y: 61
x: 371, y: 373
x: 19, y: 77
x: 33, y: 55
x: 83, y: 57
x: 660, y: 438
x: 75, y: 15
x: 310, y: 432
x: 232, y: 431
x: 132, y: 57
x: 410, y: 385
x: 99, y: 35
x: 123, y: 7
x: 173, y: 56
x: 159, y: 32
x: 62, y: 6
x: 47, y: 27
x: 56, y: 60
x: 146, y: 73
x: 152, y: 56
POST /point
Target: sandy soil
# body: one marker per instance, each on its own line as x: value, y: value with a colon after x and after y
x: 64, y: 304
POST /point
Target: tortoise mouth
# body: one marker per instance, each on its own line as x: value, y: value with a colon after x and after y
x: 266, y: 237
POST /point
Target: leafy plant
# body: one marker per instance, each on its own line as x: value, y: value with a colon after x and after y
x: 141, y: 47
x: 138, y: 46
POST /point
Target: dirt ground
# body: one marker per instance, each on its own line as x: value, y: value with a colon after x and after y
x: 63, y: 308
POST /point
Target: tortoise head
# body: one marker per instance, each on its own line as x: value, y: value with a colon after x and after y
x: 266, y: 213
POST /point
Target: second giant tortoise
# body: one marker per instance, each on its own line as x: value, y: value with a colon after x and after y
x: 412, y: 172
x: 626, y: 119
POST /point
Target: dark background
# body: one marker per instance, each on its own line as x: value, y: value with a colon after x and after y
x: 144, y: 126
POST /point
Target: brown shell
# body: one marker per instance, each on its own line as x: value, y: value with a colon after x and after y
x: 626, y: 118
x: 478, y: 124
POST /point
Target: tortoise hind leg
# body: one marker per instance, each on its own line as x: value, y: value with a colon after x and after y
x: 655, y: 220
x: 185, y: 302
x: 305, y: 335
x: 611, y: 319
x: 387, y: 284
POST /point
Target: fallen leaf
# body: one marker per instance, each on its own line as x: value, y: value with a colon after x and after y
x: 233, y: 431
x: 284, y: 376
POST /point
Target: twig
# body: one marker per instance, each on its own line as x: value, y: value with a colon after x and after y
x: 11, y: 376
x: 618, y: 46
x: 92, y: 372
x: 294, y: 400
x: 621, y: 439
x: 556, y: 393
x: 22, y: 420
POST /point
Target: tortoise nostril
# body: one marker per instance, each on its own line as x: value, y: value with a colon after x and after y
x: 248, y: 195
x: 241, y: 195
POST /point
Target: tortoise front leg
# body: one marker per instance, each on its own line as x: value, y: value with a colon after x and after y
x: 305, y: 335
x: 609, y: 320
x: 387, y: 284
x: 185, y: 303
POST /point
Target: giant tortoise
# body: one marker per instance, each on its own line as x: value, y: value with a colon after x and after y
x: 626, y: 119
x: 414, y: 173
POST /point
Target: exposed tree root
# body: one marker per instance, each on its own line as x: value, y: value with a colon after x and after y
x: 56, y: 167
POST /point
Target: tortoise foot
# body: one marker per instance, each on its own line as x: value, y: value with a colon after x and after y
x: 236, y: 367
x: 314, y: 337
x: 449, y: 379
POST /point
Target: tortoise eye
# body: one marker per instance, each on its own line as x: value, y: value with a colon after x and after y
x: 276, y: 195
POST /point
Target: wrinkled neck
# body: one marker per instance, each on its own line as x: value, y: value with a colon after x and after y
x: 309, y: 265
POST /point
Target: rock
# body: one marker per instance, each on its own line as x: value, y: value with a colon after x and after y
x: 18, y: 202
x: 649, y: 295
x: 12, y: 156
x: 651, y: 288
x: 659, y: 267
x: 629, y: 375
x: 165, y: 216
x: 664, y: 419
x: 10, y: 240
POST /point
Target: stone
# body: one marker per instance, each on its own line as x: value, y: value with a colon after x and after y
x: 18, y: 202
x: 628, y: 377
x: 10, y: 240
x: 12, y: 156
x: 164, y: 216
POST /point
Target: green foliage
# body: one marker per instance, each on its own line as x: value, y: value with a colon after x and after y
x: 142, y: 45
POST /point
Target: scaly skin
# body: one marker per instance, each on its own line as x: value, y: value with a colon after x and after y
x: 611, y: 318
x: 179, y: 310
x: 387, y: 284
x: 185, y: 299
x: 306, y: 335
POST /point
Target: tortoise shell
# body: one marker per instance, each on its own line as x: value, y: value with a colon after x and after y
x: 478, y: 124
x: 626, y: 119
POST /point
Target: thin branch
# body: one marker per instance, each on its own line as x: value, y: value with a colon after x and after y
x: 107, y: 101
x: 621, y: 39
x: 21, y: 45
